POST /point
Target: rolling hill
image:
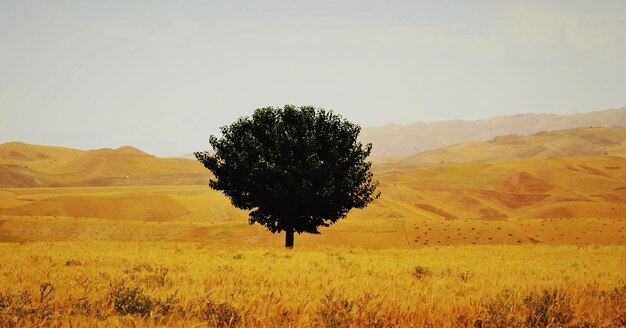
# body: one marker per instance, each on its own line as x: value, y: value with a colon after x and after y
x: 542, y: 145
x: 25, y: 165
x: 404, y: 140
x: 555, y: 187
x: 558, y: 200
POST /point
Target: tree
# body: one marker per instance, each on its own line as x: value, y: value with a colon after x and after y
x: 294, y: 169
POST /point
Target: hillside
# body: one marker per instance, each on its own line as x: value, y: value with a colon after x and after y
x: 559, y: 200
x: 555, y: 187
x: 542, y: 145
x: 404, y: 140
x: 25, y: 165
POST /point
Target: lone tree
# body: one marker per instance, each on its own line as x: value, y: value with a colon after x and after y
x: 295, y: 169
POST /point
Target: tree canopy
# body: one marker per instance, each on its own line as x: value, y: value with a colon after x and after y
x: 294, y: 168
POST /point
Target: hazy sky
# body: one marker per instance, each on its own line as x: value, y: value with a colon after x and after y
x: 163, y: 76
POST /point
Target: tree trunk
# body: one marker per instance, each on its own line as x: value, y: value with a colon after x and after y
x: 289, y: 238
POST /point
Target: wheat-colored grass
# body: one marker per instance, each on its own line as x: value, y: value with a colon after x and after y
x: 446, y: 286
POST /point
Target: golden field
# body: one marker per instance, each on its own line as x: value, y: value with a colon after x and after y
x: 516, y: 231
x: 186, y: 284
x: 579, y: 200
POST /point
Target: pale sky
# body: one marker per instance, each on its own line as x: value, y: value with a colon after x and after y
x: 164, y: 75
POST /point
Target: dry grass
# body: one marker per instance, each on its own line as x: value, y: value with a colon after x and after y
x: 182, y: 284
x: 535, y: 223
x: 398, y: 219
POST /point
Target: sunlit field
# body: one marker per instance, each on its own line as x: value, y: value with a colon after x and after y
x: 315, y: 164
x: 451, y: 245
x: 186, y: 284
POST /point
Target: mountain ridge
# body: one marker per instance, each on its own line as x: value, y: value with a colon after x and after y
x: 404, y: 140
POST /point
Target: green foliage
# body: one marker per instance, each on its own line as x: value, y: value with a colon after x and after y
x: 548, y: 308
x: 335, y: 312
x: 421, y: 272
x: 502, y: 311
x: 221, y: 314
x: 14, y: 307
x: 5, y: 301
x: 295, y: 169
x: 131, y: 300
x: 168, y: 305
x: 81, y: 307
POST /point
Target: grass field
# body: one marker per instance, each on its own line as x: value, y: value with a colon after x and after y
x: 185, y: 284
x: 403, y: 217
x: 121, y: 238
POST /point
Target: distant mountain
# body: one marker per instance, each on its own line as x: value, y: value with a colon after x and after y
x: 26, y: 165
x: 404, y: 140
x: 580, y: 142
x: 185, y: 156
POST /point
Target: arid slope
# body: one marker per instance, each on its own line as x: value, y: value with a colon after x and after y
x: 559, y: 200
x: 562, y: 143
x: 25, y: 165
x: 554, y: 187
